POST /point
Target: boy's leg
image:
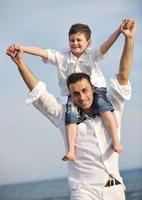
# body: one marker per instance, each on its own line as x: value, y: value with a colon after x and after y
x: 111, y: 124
x: 71, y: 131
x: 72, y: 117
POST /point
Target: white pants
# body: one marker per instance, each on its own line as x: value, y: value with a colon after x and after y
x: 87, y: 192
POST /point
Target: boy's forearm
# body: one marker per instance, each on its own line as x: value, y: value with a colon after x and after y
x: 110, y: 41
x: 35, y: 51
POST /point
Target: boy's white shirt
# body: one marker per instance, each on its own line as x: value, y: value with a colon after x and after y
x: 95, y: 156
x: 67, y: 64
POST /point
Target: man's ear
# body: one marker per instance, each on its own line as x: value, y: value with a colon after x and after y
x: 93, y: 88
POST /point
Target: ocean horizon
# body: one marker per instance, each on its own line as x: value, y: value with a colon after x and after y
x: 57, y: 189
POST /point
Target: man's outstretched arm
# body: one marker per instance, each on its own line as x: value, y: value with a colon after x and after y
x: 128, y: 29
x: 29, y: 78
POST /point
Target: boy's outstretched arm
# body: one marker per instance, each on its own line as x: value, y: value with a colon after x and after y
x: 128, y: 30
x: 30, y: 50
x: 110, y: 41
x: 29, y: 78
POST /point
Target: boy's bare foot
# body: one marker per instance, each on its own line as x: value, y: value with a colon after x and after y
x: 118, y: 148
x: 68, y: 156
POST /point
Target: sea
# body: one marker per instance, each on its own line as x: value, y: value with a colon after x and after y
x: 57, y: 189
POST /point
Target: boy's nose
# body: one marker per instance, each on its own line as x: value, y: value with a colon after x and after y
x: 75, y: 42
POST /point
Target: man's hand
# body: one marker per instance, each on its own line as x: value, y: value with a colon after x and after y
x: 128, y: 27
x: 15, y: 52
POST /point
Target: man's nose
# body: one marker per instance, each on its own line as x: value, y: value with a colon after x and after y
x: 82, y: 96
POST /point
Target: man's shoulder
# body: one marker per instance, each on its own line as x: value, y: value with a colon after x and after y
x: 115, y: 89
x: 51, y: 106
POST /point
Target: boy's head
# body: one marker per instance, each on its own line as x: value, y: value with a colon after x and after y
x: 79, y: 38
x: 81, y: 90
x: 80, y: 28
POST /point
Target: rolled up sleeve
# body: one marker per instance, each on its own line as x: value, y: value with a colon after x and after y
x: 47, y: 104
x: 37, y: 91
x: 52, y: 57
x: 97, y: 55
x: 119, y: 93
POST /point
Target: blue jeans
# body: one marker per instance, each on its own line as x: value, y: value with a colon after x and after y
x: 73, y: 113
x: 101, y: 102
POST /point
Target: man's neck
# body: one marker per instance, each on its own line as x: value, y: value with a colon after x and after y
x: 89, y: 112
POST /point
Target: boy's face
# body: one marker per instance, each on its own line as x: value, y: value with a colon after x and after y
x: 78, y: 43
x: 82, y: 94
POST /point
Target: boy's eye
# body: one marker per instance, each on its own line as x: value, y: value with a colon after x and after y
x: 78, y: 40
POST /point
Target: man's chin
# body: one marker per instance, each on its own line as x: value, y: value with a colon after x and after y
x: 84, y: 107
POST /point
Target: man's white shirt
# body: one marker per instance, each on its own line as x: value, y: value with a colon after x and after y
x: 95, y: 157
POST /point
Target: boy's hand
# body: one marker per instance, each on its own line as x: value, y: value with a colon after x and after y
x: 127, y: 23
x: 128, y: 27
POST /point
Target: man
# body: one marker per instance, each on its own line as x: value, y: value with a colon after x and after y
x: 94, y: 175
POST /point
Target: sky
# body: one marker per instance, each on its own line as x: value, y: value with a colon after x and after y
x: 31, y: 148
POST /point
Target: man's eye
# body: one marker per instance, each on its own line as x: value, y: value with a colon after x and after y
x: 85, y: 90
x: 75, y: 94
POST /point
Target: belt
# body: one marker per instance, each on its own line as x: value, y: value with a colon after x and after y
x: 112, y: 182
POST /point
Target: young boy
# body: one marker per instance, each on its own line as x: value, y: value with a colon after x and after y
x: 81, y: 58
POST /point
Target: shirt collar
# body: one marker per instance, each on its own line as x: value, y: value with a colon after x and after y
x: 82, y: 58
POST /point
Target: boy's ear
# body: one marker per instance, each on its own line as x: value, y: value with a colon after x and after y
x: 89, y: 42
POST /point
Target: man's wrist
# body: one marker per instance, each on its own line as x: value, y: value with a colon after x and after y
x: 129, y: 38
x: 18, y: 61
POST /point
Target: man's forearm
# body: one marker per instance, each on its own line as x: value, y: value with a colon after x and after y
x: 110, y: 41
x: 29, y: 78
x: 126, y: 61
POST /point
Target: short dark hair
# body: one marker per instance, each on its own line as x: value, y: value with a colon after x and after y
x: 80, y: 28
x: 75, y: 77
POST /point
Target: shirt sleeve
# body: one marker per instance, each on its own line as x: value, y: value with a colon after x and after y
x: 54, y: 57
x: 119, y: 93
x: 47, y: 104
x: 97, y: 55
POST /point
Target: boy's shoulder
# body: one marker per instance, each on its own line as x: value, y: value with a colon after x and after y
x: 66, y: 51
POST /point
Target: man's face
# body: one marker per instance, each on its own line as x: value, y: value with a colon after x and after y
x: 78, y: 43
x: 82, y: 94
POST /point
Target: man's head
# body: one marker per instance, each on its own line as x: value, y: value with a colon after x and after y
x: 79, y: 38
x: 81, y: 90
